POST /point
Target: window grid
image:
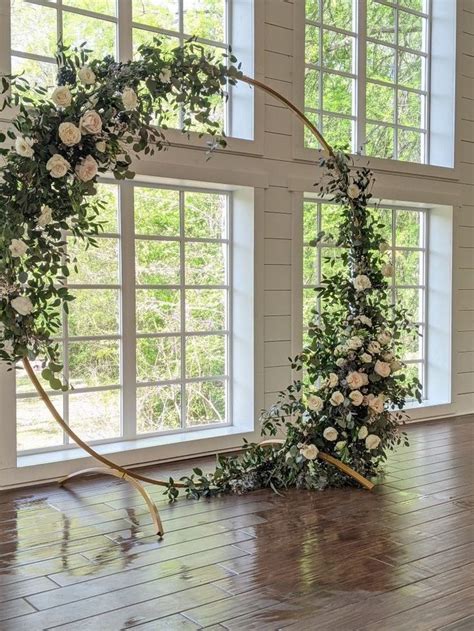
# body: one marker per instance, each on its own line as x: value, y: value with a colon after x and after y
x: 311, y: 206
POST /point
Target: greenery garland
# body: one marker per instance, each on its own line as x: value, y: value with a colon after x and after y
x: 350, y: 390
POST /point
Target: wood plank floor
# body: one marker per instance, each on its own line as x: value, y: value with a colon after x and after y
x: 399, y: 558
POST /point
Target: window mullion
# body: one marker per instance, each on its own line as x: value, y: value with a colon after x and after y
x: 124, y: 32
x: 182, y: 256
x: 359, y: 107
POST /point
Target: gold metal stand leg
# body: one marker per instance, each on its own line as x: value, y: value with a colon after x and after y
x: 155, y: 515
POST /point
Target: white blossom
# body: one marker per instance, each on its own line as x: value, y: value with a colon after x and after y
x: 330, y: 433
x: 387, y: 270
x: 332, y: 380
x: 22, y: 305
x: 372, y: 441
x: 384, y: 338
x: 57, y: 166
x: 24, y: 146
x: 61, y: 96
x: 90, y: 123
x: 337, y: 398
x: 356, y: 397
x: 315, y: 403
x: 310, y: 452
x: 354, y: 343
x: 366, y: 358
x: 86, y: 75
x: 17, y: 248
x: 353, y: 191
x: 356, y: 380
x: 165, y: 75
x: 373, y: 347
x: 87, y: 169
x: 46, y: 216
x: 382, y: 368
x: 69, y: 134
x: 362, y: 433
x: 129, y: 99
x: 361, y: 282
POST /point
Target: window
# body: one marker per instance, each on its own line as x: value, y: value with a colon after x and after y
x: 147, y: 342
x: 367, y: 68
x: 405, y: 229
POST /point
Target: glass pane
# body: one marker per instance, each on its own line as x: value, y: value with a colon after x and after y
x: 107, y: 7
x: 204, y: 18
x: 310, y: 221
x: 142, y: 37
x: 158, y: 408
x: 379, y: 141
x: 380, y: 62
x: 94, y: 363
x: 157, y: 262
x: 338, y: 13
x: 159, y: 13
x: 409, y: 70
x: 205, y: 215
x: 205, y: 309
x: 36, y: 72
x: 94, y: 312
x: 337, y: 51
x: 158, y: 310
x: 312, y: 44
x: 408, y: 268
x: 331, y: 219
x: 410, y: 108
x: 412, y: 301
x: 205, y: 263
x: 331, y: 262
x: 158, y: 358
x: 309, y: 139
x: 95, y: 265
x: 338, y: 131
x: 408, y: 228
x: 205, y: 403
x: 99, y: 34
x: 35, y: 427
x: 410, y: 145
x: 312, y: 9
x: 337, y: 94
x: 27, y: 22
x: 380, y: 22
x: 414, y: 370
x: 206, y: 355
x: 23, y: 383
x: 410, y: 30
x: 380, y: 101
x: 417, y: 5
x: 95, y: 415
x: 156, y: 212
x: 411, y: 344
x: 309, y: 304
x: 311, y: 88
x: 385, y: 224
x: 310, y: 271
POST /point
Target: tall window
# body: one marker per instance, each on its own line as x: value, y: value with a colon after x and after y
x: 367, y: 75
x: 405, y: 230
x: 146, y: 344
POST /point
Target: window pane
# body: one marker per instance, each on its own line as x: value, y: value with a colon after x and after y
x: 157, y: 262
x: 409, y: 70
x: 206, y: 355
x: 158, y: 408
x: 331, y: 262
x: 158, y: 310
x: 36, y: 72
x: 162, y: 14
x: 27, y: 22
x: 331, y: 219
x: 205, y: 309
x: 385, y: 224
x: 204, y: 18
x: 94, y: 312
x: 310, y: 271
x: 23, y: 383
x: 95, y: 265
x: 408, y: 267
x: 408, y: 228
x: 310, y: 221
x: 337, y: 51
x: 99, y: 34
x: 411, y: 344
x: 157, y: 212
x: 312, y: 54
x: 311, y: 89
x: 380, y: 62
x: 410, y: 30
x: 309, y: 304
x: 205, y: 403
x: 417, y: 5
x: 410, y: 108
x: 205, y: 263
x: 94, y: 363
x: 95, y: 415
x: 410, y: 145
x: 309, y: 139
x: 379, y: 141
x: 380, y: 22
x: 337, y: 93
x: 312, y: 9
x: 338, y: 131
x: 35, y: 427
x: 205, y: 215
x: 380, y: 101
x: 107, y: 7
x: 158, y: 358
x: 412, y: 301
x: 338, y: 13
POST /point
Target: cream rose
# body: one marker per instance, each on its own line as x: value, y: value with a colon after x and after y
x: 354, y: 343
x: 337, y: 398
x: 355, y: 380
x: 362, y: 433
x: 395, y: 366
x: 17, y: 248
x: 46, y: 216
x: 361, y: 282
x: 57, y: 166
x: 315, y: 403
x: 387, y: 270
x: 86, y: 75
x: 375, y: 403
x: 388, y: 357
x: 87, y: 169
x: 340, y: 362
x: 61, y: 96
x: 332, y: 380
x: 22, y: 305
x: 330, y: 433
x: 165, y: 75
x: 373, y: 347
x: 340, y: 349
x: 101, y: 146
x: 353, y: 191
x: 24, y: 147
x: 90, y: 123
x: 382, y: 368
x: 69, y: 134
x: 384, y: 338
x: 365, y: 320
x: 356, y: 397
x: 310, y: 452
x: 383, y: 247
x: 372, y: 441
x: 129, y: 99
x: 366, y: 358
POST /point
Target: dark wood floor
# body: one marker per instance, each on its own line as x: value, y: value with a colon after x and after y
x: 399, y: 558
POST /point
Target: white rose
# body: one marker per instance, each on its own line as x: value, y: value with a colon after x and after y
x: 340, y: 349
x: 69, y: 134
x: 165, y: 75
x: 101, y: 146
x: 332, y: 380
x: 46, y: 216
x: 366, y: 358
x: 340, y: 445
x: 362, y: 433
x: 330, y: 433
x: 384, y: 338
x: 373, y: 347
x: 361, y: 282
x: 24, y: 146
x: 61, y: 96
x: 22, y: 305
x: 17, y: 248
x: 375, y: 403
x: 395, y: 366
x: 336, y: 398
x: 57, y: 166
x: 355, y: 380
x: 8, y: 347
x: 86, y: 75
x: 388, y: 357
x: 382, y: 368
x: 356, y: 397
x: 365, y: 320
x: 87, y: 169
x: 310, y: 452
x: 90, y: 123
x: 387, y: 270
x: 383, y: 247
x: 372, y: 441
x: 315, y: 403
x: 354, y: 343
x: 129, y: 99
x: 340, y: 362
x: 353, y: 191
